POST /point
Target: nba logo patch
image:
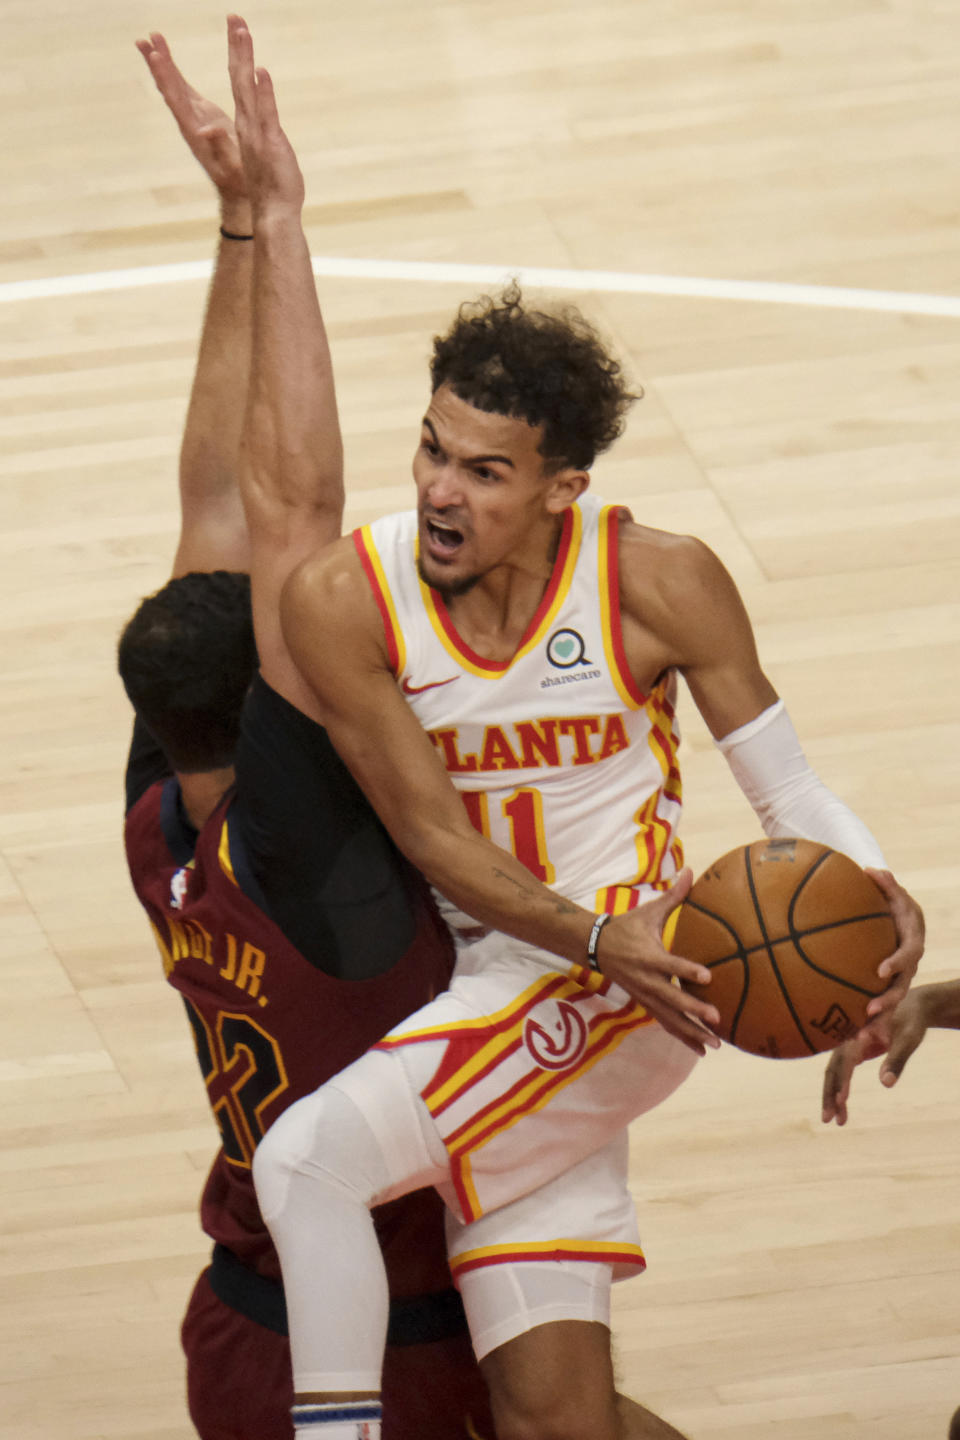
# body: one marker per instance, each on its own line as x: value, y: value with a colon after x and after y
x: 178, y: 888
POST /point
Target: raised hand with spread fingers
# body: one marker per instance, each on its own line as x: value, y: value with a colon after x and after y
x: 208, y: 130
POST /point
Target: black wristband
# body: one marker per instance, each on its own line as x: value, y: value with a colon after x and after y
x: 229, y: 235
x: 598, y: 925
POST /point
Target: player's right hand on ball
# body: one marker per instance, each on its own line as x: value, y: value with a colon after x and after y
x: 900, y: 967
x: 631, y: 952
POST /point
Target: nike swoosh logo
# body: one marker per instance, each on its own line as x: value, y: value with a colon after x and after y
x: 409, y: 689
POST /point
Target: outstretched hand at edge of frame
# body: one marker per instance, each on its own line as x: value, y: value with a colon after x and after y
x: 894, y: 1036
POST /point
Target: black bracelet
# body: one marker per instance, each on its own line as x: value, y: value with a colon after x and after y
x: 598, y: 925
x: 229, y: 235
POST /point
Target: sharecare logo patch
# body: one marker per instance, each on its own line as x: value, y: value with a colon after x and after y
x: 566, y: 648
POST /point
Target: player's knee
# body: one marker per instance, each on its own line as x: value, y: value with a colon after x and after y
x: 322, y: 1145
x: 955, y: 1426
x: 274, y: 1163
x: 301, y: 1151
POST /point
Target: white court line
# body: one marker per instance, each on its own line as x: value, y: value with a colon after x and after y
x: 901, y: 302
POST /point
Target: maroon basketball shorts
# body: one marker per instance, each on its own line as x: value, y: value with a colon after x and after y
x: 239, y: 1384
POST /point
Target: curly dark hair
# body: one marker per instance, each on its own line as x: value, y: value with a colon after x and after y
x: 547, y: 368
x: 186, y: 658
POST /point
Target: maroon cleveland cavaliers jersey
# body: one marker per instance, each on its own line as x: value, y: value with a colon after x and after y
x: 269, y: 1026
x: 297, y: 936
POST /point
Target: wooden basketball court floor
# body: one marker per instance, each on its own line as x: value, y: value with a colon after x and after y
x: 802, y: 1281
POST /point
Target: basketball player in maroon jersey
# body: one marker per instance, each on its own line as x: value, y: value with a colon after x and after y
x: 482, y: 472
x: 294, y: 931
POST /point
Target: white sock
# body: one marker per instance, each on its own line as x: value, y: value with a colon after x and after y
x: 337, y: 1420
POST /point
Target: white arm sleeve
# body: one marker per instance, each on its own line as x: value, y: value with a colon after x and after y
x: 769, y: 765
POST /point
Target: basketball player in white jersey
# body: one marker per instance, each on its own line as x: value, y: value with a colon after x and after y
x: 520, y: 640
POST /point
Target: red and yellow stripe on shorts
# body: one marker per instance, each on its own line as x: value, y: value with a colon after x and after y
x: 605, y: 1252
x: 489, y: 1080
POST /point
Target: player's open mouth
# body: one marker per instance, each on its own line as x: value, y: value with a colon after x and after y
x: 443, y: 539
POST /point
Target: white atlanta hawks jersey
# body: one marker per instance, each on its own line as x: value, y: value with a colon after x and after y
x: 558, y: 756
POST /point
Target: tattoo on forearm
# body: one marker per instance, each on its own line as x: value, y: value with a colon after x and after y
x: 560, y: 902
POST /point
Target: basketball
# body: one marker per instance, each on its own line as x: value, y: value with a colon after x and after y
x: 793, y: 933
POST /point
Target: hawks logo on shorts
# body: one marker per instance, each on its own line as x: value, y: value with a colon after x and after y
x: 500, y: 1067
x: 556, y: 1044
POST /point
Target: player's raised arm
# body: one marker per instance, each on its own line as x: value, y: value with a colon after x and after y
x: 213, y: 530
x: 708, y: 636
x: 336, y: 637
x: 292, y: 456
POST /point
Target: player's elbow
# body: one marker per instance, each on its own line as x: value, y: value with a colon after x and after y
x: 429, y: 842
